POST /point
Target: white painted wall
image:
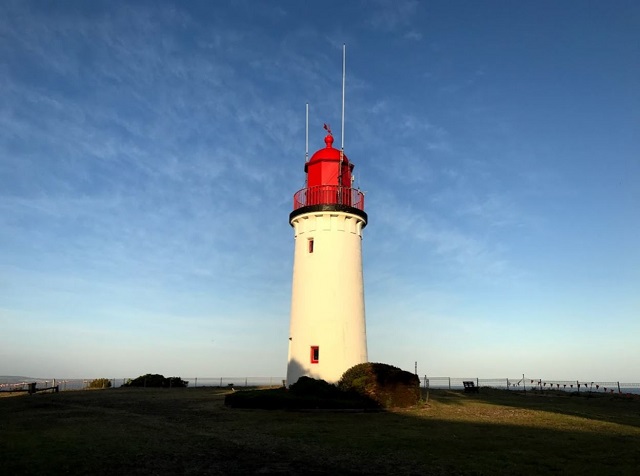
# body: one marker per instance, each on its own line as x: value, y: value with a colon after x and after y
x: 327, y: 299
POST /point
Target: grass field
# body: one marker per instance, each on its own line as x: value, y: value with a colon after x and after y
x: 190, y: 431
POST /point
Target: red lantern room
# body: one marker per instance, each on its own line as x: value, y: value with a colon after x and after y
x: 324, y: 167
x: 329, y: 184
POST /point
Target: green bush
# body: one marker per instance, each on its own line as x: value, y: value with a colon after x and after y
x: 156, y: 380
x: 100, y: 383
x: 383, y: 383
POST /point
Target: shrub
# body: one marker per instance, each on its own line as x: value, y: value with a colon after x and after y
x: 383, y: 383
x: 100, y: 383
x: 156, y: 380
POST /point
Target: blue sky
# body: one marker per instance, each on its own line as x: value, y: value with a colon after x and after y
x: 150, y: 151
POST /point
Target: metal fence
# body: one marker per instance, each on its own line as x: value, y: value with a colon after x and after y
x: 83, y: 384
x: 451, y: 383
x: 236, y: 381
x: 531, y: 384
x: 328, y: 194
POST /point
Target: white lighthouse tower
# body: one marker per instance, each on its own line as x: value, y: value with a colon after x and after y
x: 327, y: 332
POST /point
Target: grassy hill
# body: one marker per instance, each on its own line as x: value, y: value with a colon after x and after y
x: 190, y: 431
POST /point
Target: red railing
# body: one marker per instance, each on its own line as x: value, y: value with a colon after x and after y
x: 328, y: 195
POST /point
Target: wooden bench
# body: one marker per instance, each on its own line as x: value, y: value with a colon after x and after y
x: 470, y: 387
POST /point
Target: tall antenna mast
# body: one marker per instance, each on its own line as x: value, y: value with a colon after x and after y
x: 344, y: 67
x: 306, y: 137
x: 306, y: 146
x: 344, y: 55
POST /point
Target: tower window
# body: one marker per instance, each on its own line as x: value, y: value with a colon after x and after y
x: 315, y: 354
x: 310, y: 245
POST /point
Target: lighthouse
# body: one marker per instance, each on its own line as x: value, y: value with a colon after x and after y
x: 327, y: 333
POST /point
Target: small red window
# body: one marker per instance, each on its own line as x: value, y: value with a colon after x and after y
x: 315, y: 354
x: 311, y: 245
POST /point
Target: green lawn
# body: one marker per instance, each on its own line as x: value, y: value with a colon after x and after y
x: 190, y: 431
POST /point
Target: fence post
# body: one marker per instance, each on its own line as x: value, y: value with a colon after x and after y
x: 477, y: 382
x: 449, y: 382
x: 578, y: 383
x: 507, y: 383
x: 619, y: 391
x: 196, y: 383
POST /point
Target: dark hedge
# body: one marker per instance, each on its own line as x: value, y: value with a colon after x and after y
x: 383, y: 383
x: 156, y: 380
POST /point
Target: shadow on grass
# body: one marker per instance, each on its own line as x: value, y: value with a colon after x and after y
x: 190, y: 431
x: 283, y: 399
x: 620, y: 409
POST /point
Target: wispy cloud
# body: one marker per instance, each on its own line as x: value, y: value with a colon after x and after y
x: 137, y: 177
x: 413, y: 35
x: 149, y: 154
x: 437, y: 242
x: 389, y: 15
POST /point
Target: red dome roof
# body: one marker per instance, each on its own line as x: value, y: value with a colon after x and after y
x: 328, y: 153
